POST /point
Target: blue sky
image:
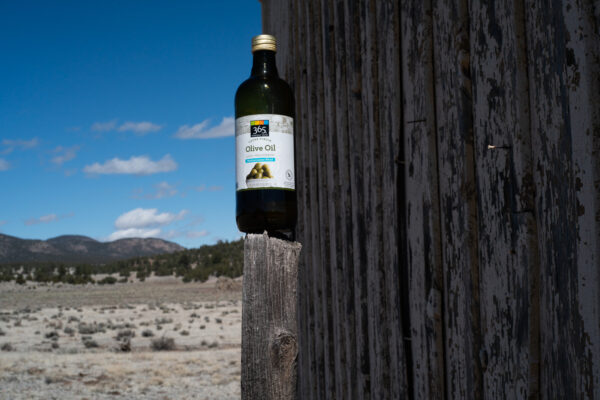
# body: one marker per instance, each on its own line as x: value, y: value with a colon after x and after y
x: 116, y: 117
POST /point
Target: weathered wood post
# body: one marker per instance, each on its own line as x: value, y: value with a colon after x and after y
x: 269, y: 321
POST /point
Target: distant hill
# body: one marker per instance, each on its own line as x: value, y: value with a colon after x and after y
x: 60, y: 260
x: 79, y: 249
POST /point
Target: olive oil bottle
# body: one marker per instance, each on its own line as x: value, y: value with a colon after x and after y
x: 264, y: 137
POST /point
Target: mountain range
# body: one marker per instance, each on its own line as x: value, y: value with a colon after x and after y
x: 80, y: 249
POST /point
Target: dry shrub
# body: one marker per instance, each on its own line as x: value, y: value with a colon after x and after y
x: 51, y: 335
x: 7, y: 347
x: 125, y: 345
x: 88, y: 342
x: 87, y: 329
x: 163, y: 344
x: 147, y: 333
x: 125, y: 334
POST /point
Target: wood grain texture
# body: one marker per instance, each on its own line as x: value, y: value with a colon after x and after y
x: 448, y: 181
x: 563, y: 73
x: 330, y: 169
x: 356, y: 139
x: 269, y: 318
x: 345, y: 250
x: 390, y: 181
x: 503, y: 174
x: 311, y: 379
x: 424, y: 254
x: 318, y: 234
x: 582, y: 49
x: 377, y: 329
x: 458, y: 198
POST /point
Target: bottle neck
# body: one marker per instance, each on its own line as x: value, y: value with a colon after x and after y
x: 264, y: 64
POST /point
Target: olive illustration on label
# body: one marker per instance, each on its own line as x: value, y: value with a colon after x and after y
x: 259, y: 171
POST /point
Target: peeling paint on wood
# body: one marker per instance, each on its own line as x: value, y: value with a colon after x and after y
x: 422, y: 201
x: 458, y: 199
x: 563, y: 54
x: 501, y: 119
x: 448, y: 172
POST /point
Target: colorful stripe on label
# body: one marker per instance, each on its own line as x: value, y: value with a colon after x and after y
x: 251, y: 160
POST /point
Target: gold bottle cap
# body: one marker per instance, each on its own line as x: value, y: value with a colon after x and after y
x: 264, y: 42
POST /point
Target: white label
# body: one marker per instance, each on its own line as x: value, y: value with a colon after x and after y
x: 264, y: 152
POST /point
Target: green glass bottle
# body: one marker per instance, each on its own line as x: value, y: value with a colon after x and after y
x: 264, y: 136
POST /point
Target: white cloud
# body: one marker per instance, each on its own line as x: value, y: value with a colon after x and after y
x: 3, y: 222
x: 42, y: 220
x: 64, y: 154
x: 200, y: 131
x: 188, y: 230
x: 161, y: 190
x: 147, y: 217
x: 140, y: 165
x: 4, y: 165
x: 12, y: 145
x: 47, y: 219
x: 143, y: 223
x: 133, y: 233
x: 104, y: 126
x: 139, y: 128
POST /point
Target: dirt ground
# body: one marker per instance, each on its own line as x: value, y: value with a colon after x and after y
x: 159, y: 339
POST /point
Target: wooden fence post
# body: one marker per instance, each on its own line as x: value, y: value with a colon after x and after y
x: 269, y: 318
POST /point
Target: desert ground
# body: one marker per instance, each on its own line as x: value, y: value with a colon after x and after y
x: 158, y: 339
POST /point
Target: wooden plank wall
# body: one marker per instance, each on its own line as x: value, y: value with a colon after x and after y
x: 448, y: 172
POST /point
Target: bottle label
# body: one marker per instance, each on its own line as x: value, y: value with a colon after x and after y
x: 265, y: 152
